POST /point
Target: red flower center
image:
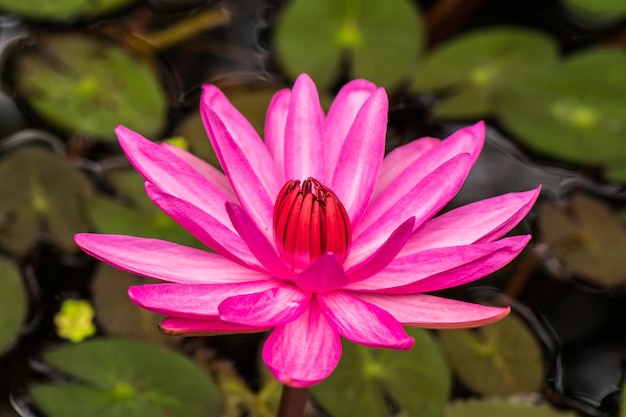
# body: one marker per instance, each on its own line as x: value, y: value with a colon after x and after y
x: 309, y: 220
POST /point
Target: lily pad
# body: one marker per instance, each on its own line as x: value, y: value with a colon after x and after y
x: 88, y: 86
x: 588, y: 237
x: 503, y: 407
x: 124, y: 378
x: 139, y: 217
x: 575, y: 111
x: 501, y: 358
x: 12, y: 303
x: 118, y: 315
x: 418, y: 381
x: 600, y: 9
x: 381, y: 40
x: 471, y: 68
x: 39, y: 187
x: 62, y: 9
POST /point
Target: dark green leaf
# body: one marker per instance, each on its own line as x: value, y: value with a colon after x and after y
x: 501, y: 358
x: 39, y: 186
x: 125, y: 379
x: 589, y: 238
x: 601, y: 9
x: 12, y: 302
x: 502, y: 408
x: 418, y: 380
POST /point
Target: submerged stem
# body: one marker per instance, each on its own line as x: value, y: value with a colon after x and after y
x: 292, y: 402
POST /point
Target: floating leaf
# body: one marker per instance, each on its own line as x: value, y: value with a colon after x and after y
x: 123, y: 378
x: 601, y: 9
x: 141, y: 217
x: 473, y: 67
x: 418, y: 380
x: 38, y: 186
x: 117, y: 314
x: 501, y: 358
x: 12, y: 303
x: 74, y: 321
x: 62, y: 9
x: 575, y: 111
x: 88, y: 85
x: 589, y: 238
x: 502, y: 407
x: 382, y: 40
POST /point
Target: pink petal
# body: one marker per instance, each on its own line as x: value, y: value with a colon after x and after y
x: 164, y: 260
x: 304, y: 142
x: 399, y: 159
x: 269, y: 308
x: 257, y: 242
x: 275, y: 123
x: 340, y: 118
x: 432, y: 312
x: 360, y: 158
x: 362, y: 322
x: 303, y: 352
x: 205, y: 228
x: 422, y: 202
x: 181, y: 326
x: 170, y: 174
x: 245, y: 158
x: 192, y: 300
x: 381, y: 258
x: 208, y: 171
x: 483, y: 221
x: 440, y: 268
x: 325, y: 274
x: 465, y: 141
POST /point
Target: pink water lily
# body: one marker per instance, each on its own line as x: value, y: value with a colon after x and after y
x: 316, y: 236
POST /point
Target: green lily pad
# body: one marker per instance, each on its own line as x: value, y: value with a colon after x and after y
x: 381, y: 40
x: 501, y: 358
x: 473, y: 67
x: 62, y: 9
x: 39, y: 187
x: 418, y: 381
x: 600, y: 9
x: 140, y: 217
x: 503, y: 407
x: 575, y: 111
x: 118, y: 315
x: 88, y: 86
x: 588, y: 237
x: 124, y: 378
x: 12, y: 303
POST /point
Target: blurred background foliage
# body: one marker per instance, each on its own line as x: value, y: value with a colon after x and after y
x: 549, y: 76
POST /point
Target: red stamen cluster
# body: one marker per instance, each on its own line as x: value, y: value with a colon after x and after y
x: 309, y: 221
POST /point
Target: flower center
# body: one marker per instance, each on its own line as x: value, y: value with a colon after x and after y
x: 309, y: 220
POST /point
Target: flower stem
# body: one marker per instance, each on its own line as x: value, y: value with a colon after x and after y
x: 292, y: 402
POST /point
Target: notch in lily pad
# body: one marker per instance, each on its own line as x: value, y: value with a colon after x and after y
x: 123, y: 378
x: 88, y: 85
x: 417, y: 381
x: 588, y: 237
x: 501, y: 358
x: 467, y: 71
x: 380, y: 40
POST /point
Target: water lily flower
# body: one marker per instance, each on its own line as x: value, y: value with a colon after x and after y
x: 316, y: 236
